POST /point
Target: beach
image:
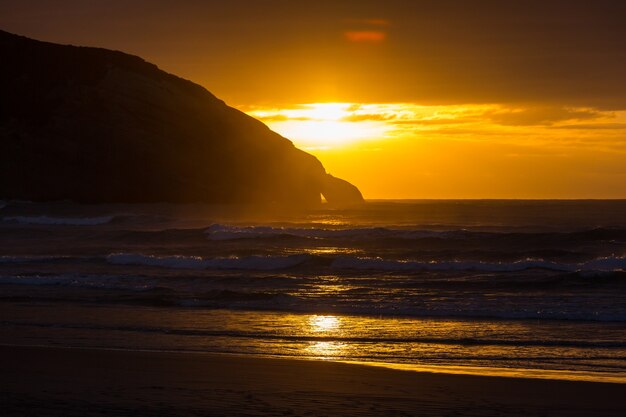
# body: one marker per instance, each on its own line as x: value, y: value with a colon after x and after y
x: 426, y: 308
x: 95, y: 382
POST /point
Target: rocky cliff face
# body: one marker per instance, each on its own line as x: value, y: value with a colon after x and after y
x: 94, y: 125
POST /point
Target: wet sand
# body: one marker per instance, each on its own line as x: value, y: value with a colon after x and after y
x: 90, y: 382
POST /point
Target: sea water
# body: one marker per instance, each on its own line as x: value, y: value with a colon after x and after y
x: 533, y: 288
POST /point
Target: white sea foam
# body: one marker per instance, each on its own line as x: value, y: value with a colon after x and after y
x: 67, y: 221
x: 612, y: 263
x: 601, y: 264
x: 195, y: 262
x: 225, y: 232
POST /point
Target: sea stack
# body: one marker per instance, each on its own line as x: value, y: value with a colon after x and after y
x: 100, y: 126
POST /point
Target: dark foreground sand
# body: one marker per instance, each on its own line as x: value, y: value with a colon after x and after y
x: 80, y: 382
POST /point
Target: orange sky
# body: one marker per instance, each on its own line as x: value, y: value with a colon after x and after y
x: 405, y: 99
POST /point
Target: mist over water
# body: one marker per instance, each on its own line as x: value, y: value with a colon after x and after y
x: 511, y: 284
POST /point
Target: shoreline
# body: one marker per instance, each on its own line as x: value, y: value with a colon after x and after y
x: 56, y: 381
x: 478, y: 371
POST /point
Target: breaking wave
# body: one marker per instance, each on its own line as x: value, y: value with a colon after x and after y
x: 601, y: 264
x: 268, y: 262
x: 196, y: 262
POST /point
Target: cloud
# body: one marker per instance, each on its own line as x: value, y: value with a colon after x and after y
x: 369, y: 117
x: 396, y: 119
x: 431, y: 122
x: 366, y: 30
x: 272, y: 118
x: 269, y: 118
x: 592, y: 126
x: 369, y: 36
x: 541, y: 116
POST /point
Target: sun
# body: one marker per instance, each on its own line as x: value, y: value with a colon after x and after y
x: 323, y: 133
x: 327, y: 111
x: 321, y: 125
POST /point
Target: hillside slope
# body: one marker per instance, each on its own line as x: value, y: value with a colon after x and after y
x: 94, y: 125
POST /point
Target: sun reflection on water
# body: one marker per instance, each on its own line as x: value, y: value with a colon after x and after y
x: 330, y: 250
x: 327, y: 350
x: 324, y: 323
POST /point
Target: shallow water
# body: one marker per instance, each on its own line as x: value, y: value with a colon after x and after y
x: 535, y: 285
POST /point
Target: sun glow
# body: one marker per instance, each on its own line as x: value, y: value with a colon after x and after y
x: 461, y: 151
x: 322, y: 125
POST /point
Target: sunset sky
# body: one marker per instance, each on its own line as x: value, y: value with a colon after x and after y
x: 406, y: 99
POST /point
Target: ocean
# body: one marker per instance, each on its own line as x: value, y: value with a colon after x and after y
x: 511, y: 287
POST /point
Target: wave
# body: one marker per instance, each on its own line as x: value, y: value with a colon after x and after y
x: 236, y: 292
x: 196, y: 262
x: 225, y: 232
x: 26, y: 259
x: 592, y: 268
x: 41, y: 280
x: 469, y: 341
x: 34, y: 280
x: 103, y: 282
x: 600, y: 264
x: 65, y: 221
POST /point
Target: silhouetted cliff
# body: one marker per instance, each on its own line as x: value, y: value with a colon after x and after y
x: 94, y: 125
